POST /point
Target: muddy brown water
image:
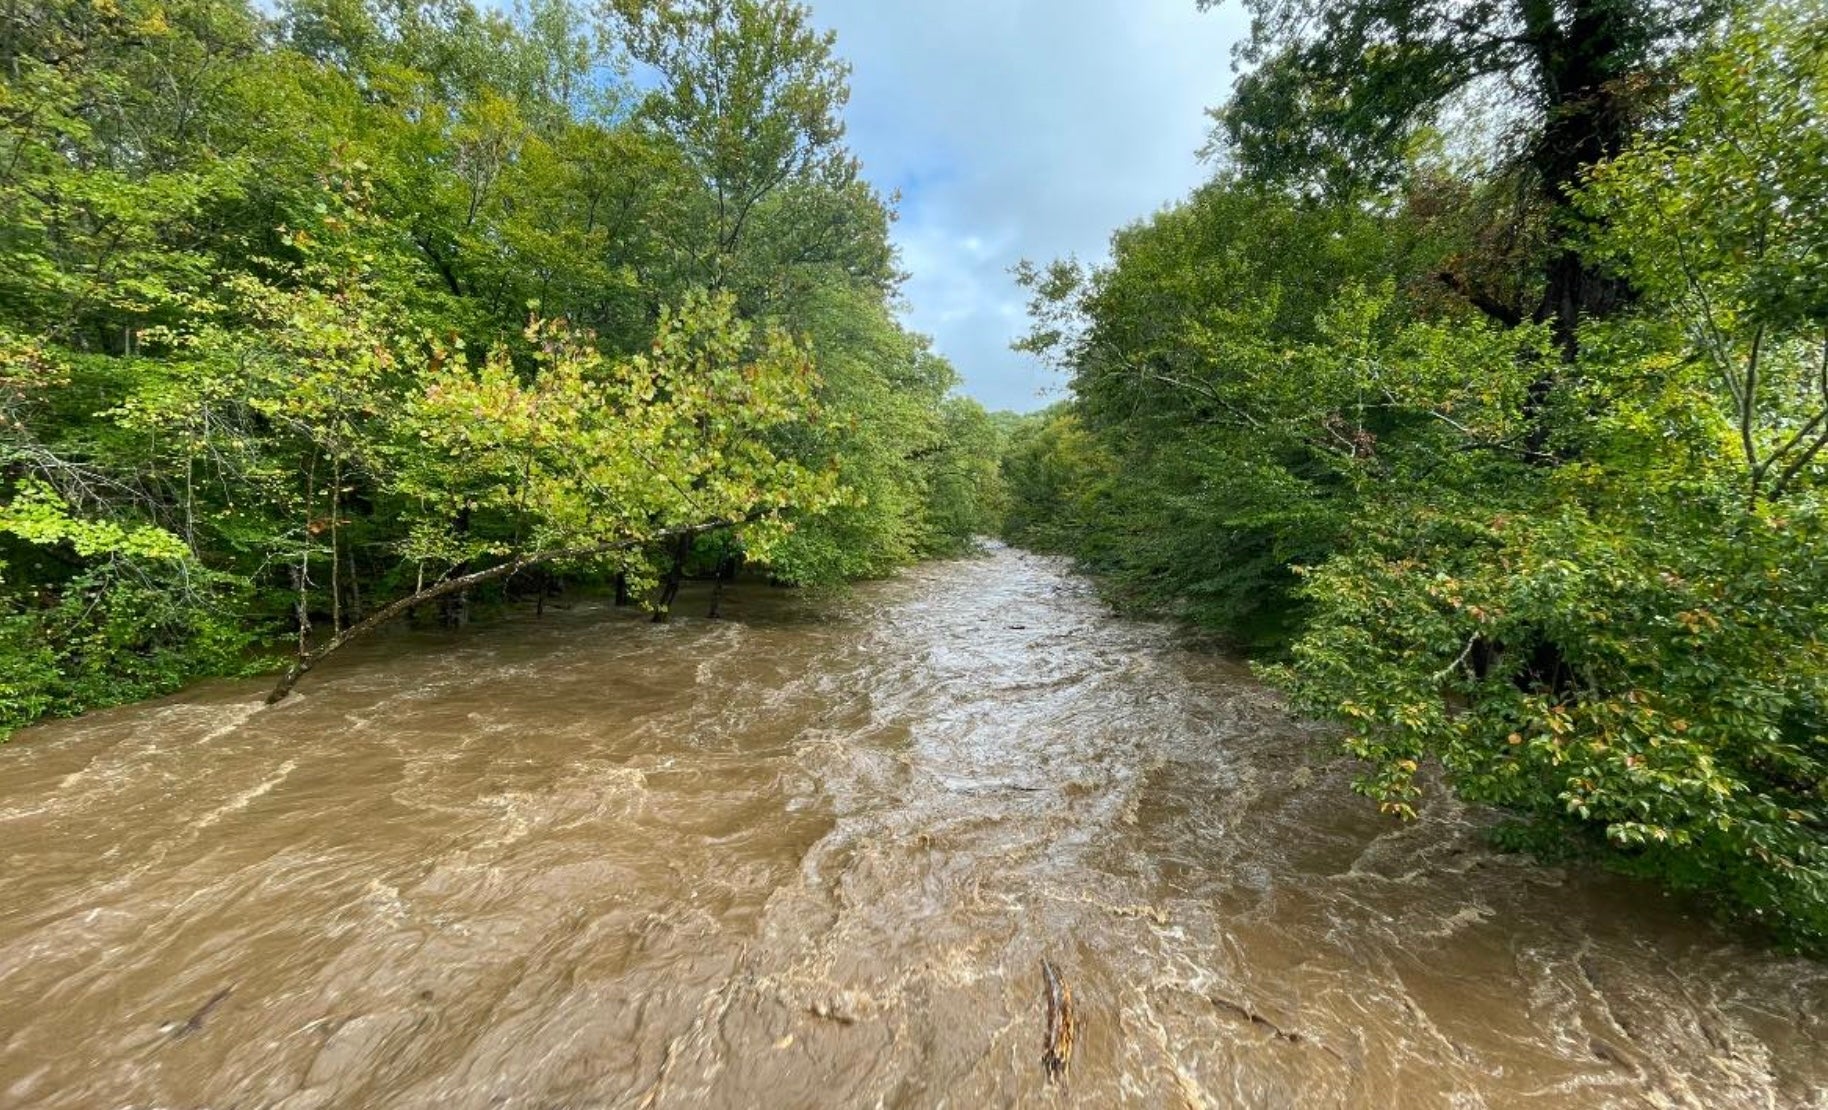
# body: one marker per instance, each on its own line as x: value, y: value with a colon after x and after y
x: 814, y: 856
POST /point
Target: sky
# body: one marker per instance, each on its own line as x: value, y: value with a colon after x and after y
x: 1022, y: 129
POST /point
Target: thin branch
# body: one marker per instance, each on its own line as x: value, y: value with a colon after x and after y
x: 1748, y: 408
x: 1465, y: 652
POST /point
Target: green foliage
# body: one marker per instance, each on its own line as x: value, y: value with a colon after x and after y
x: 123, y: 629
x: 1335, y: 98
x: 1571, y: 555
x: 37, y: 514
x: 1661, y: 685
x: 1207, y: 366
x: 918, y: 467
x: 1742, y: 285
x: 305, y: 311
x: 1056, y: 476
x: 963, y: 478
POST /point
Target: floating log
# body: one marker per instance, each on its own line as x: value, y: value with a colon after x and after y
x: 1057, y: 1053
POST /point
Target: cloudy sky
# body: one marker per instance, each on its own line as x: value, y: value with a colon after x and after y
x: 1022, y: 129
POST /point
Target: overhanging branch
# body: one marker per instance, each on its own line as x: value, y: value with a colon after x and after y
x: 449, y: 586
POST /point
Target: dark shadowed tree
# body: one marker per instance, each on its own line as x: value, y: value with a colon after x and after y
x: 1334, y: 98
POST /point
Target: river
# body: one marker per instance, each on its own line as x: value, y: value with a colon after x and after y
x: 814, y: 856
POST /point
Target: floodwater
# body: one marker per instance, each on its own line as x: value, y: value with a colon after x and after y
x: 814, y: 856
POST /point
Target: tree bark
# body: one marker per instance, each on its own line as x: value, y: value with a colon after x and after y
x: 726, y: 573
x: 669, y: 593
x: 355, y: 590
x: 1587, y: 122
x: 717, y: 592
x: 301, y: 583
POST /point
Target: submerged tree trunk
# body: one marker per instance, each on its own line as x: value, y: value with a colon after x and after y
x: 726, y: 573
x: 453, y: 586
x: 336, y: 555
x: 455, y: 611
x: 717, y: 590
x: 669, y: 593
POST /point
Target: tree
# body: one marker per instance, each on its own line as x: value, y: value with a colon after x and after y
x: 598, y: 457
x: 751, y: 96
x: 1313, y: 408
x: 1336, y: 96
x: 266, y: 278
x: 1200, y: 364
x: 1717, y: 221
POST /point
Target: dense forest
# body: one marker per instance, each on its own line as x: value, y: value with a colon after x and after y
x: 1483, y: 394
x: 318, y: 315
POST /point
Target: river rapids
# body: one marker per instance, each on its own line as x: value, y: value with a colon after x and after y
x: 815, y: 856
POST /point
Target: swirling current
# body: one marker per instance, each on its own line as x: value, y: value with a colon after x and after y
x: 814, y: 856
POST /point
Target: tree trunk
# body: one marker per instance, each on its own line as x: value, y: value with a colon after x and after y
x: 1587, y: 122
x: 726, y: 573
x: 454, y: 609
x: 301, y: 583
x: 336, y: 554
x: 682, y: 550
x: 717, y: 594
x: 355, y: 590
x: 455, y: 612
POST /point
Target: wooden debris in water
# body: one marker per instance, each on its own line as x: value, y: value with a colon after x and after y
x: 1273, y: 1028
x: 837, y: 1010
x: 195, y: 1023
x: 1057, y: 1053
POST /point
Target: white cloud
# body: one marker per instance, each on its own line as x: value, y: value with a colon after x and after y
x: 1022, y: 129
